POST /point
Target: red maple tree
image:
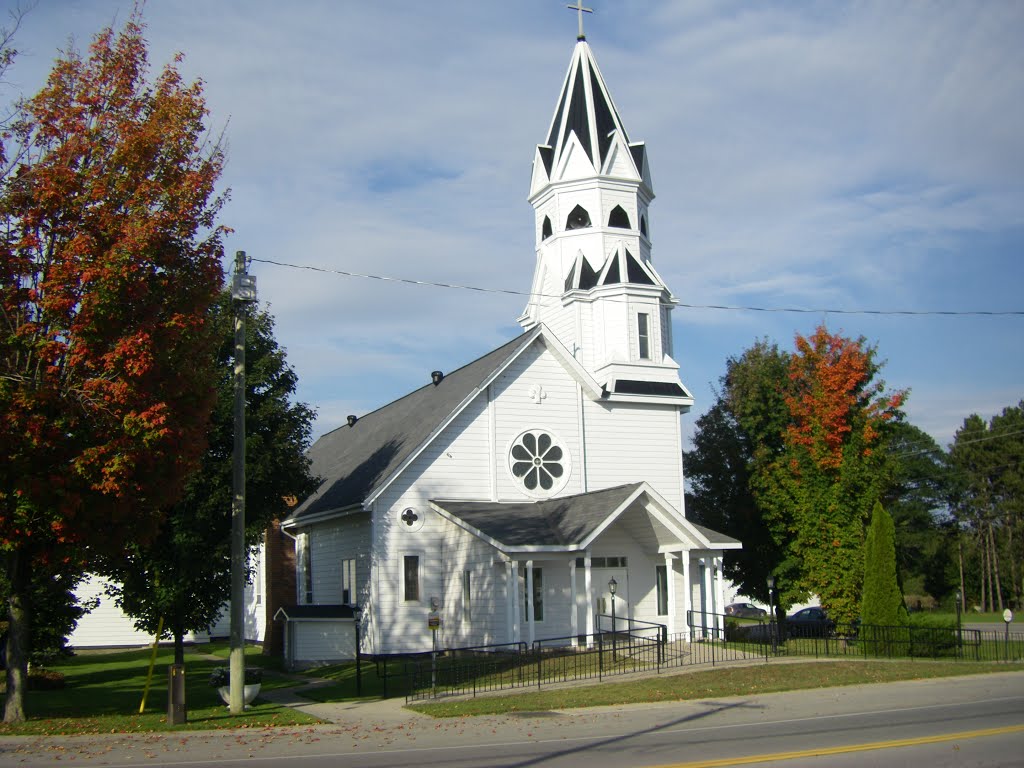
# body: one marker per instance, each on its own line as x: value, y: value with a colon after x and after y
x: 109, y: 259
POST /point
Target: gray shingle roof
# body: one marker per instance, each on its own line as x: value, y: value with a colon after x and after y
x: 714, y: 536
x: 353, y: 460
x: 561, y: 522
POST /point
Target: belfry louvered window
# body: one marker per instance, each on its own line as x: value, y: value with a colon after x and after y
x: 618, y: 218
x: 578, y: 218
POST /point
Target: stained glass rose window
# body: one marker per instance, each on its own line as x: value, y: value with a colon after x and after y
x: 538, y: 462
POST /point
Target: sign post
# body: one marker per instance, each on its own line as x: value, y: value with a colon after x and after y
x: 1007, y: 618
x: 433, y: 624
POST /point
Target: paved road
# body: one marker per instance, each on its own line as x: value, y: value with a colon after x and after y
x: 977, y: 720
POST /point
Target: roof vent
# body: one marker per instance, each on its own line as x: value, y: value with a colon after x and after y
x: 352, y: 419
x: 436, y: 377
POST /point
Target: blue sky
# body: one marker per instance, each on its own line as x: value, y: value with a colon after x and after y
x: 817, y: 155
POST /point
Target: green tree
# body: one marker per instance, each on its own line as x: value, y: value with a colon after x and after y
x: 917, y: 501
x: 882, y: 600
x: 109, y: 260
x: 818, y: 492
x: 56, y: 611
x: 987, y: 502
x: 184, y: 574
x: 741, y: 433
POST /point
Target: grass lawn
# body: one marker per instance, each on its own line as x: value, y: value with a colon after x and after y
x: 103, y: 691
x: 712, y: 683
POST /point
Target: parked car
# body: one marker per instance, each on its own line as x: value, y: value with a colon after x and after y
x: 745, y: 611
x: 810, y: 622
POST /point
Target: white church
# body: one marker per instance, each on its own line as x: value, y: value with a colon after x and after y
x: 500, y: 500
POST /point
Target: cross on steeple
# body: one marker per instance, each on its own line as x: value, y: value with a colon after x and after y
x: 580, y: 10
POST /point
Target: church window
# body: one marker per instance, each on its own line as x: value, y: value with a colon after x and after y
x: 348, y: 581
x: 618, y: 218
x: 545, y: 231
x: 411, y: 578
x: 643, y: 332
x: 538, y: 463
x: 661, y: 582
x: 604, y: 562
x: 643, y: 226
x: 305, y: 570
x: 467, y: 612
x: 538, y: 596
x: 578, y: 218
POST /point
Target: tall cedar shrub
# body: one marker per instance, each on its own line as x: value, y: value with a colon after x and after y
x: 882, y: 600
x: 884, y: 619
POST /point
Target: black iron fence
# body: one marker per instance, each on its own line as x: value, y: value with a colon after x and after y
x: 638, y: 646
x: 635, y: 646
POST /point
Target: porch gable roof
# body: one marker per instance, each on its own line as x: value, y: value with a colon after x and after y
x: 569, y: 523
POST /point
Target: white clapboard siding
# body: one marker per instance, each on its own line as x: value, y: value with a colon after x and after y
x: 107, y: 625
x: 627, y: 441
x: 481, y: 621
x: 331, y: 542
x: 318, y: 641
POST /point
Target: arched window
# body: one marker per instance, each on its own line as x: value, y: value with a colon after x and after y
x: 618, y: 218
x: 578, y: 218
x: 643, y: 226
x: 545, y: 230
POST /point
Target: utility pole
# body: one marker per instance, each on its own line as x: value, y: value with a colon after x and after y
x: 243, y: 293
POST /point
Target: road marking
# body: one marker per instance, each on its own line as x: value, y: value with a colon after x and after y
x: 766, y: 758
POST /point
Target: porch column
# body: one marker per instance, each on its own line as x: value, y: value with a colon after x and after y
x: 720, y: 593
x: 670, y: 596
x: 707, y: 601
x: 529, y: 600
x: 517, y: 630
x: 685, y: 603
x: 589, y: 588
x: 574, y: 611
x: 510, y: 599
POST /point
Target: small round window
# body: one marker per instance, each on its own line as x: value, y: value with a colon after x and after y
x: 539, y: 463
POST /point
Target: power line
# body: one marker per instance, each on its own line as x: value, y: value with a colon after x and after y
x: 986, y: 438
x: 992, y: 436
x: 723, y: 307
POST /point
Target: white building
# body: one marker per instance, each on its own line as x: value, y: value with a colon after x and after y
x: 513, y: 489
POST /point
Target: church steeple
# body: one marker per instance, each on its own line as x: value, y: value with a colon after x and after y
x: 594, y: 285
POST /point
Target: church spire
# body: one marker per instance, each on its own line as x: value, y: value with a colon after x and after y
x: 594, y: 284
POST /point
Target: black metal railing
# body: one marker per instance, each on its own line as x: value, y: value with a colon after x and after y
x: 711, y: 640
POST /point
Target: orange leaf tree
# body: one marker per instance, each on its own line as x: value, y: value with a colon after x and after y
x: 109, y: 260
x: 818, y: 492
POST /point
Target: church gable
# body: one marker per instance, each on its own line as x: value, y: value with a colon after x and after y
x: 536, y: 432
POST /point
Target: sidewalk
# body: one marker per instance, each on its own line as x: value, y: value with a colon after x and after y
x: 382, y: 713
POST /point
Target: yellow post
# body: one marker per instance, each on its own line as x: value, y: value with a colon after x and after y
x: 152, y: 663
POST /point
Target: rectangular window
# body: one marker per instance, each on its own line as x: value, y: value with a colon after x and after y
x: 466, y: 592
x: 348, y: 582
x: 411, y: 578
x: 257, y: 579
x: 661, y: 582
x: 305, y: 570
x: 643, y: 330
x: 538, y: 596
x: 603, y: 562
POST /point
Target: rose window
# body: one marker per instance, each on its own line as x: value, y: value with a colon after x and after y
x: 538, y: 462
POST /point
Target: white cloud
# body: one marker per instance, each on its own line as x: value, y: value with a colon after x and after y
x: 864, y: 155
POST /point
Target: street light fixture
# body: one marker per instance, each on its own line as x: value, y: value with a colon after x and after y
x: 771, y: 606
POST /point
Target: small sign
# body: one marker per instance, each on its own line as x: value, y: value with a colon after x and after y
x: 434, y: 621
x: 1007, y: 615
